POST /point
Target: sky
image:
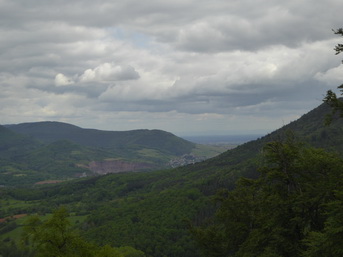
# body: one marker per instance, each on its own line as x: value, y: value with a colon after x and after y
x: 190, y: 67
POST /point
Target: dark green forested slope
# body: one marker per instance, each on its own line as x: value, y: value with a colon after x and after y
x: 13, y: 148
x: 13, y: 144
x: 25, y: 160
x: 155, y: 139
x: 293, y: 209
x: 153, y: 212
x: 309, y: 129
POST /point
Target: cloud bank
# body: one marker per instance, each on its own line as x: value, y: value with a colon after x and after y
x: 183, y: 66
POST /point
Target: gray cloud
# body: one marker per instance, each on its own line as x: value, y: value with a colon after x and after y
x: 200, y: 63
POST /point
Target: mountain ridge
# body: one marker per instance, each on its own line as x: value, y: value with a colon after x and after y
x: 60, y: 151
x: 50, y: 131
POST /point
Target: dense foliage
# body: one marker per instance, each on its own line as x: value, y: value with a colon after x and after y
x: 293, y: 209
x: 54, y: 237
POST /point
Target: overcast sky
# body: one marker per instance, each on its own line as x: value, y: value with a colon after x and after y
x: 184, y: 66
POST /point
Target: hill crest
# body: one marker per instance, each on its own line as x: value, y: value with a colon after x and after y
x: 51, y: 131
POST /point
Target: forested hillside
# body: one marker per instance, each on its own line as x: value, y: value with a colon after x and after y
x: 179, y: 212
x: 26, y: 160
x: 294, y: 208
x: 43, y: 152
x: 49, y: 132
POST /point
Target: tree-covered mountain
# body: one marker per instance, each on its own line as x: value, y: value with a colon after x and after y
x: 310, y: 128
x: 12, y: 144
x: 33, y: 152
x: 49, y: 132
x: 153, y: 212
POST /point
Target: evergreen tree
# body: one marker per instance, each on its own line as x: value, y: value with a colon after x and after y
x: 293, y: 209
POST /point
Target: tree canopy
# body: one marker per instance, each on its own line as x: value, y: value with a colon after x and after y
x: 54, y: 237
x: 293, y: 209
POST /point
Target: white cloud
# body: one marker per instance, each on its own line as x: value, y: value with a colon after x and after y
x: 62, y: 80
x: 332, y: 77
x: 108, y: 72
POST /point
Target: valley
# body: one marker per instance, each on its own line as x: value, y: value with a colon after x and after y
x: 159, y: 212
x: 34, y: 152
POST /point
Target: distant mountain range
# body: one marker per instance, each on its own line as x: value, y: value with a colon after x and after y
x: 31, y: 152
x: 39, y: 151
x: 49, y: 132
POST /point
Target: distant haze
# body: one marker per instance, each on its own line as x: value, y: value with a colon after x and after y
x: 224, y: 139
